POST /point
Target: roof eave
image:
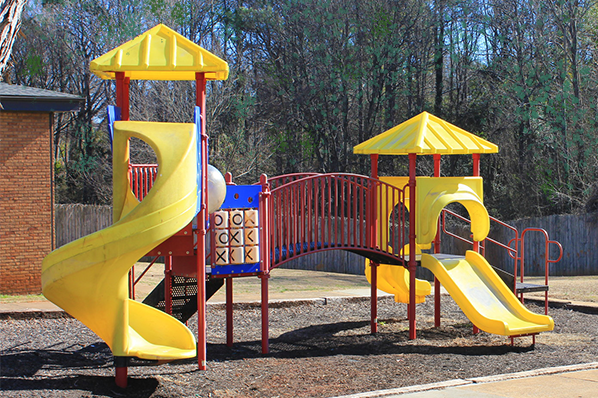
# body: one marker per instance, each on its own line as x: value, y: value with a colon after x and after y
x: 37, y: 104
x: 419, y: 151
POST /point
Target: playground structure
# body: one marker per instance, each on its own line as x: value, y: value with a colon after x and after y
x: 162, y: 210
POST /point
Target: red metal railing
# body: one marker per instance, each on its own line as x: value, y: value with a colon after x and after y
x: 512, y: 251
x: 142, y: 177
x: 515, y: 248
x: 335, y: 211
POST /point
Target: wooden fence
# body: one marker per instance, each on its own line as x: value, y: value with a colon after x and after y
x: 74, y: 221
x: 577, y: 233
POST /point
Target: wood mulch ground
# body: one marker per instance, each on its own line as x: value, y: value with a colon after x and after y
x: 317, y: 350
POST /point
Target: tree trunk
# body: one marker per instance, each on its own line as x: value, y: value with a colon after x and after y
x: 10, y: 22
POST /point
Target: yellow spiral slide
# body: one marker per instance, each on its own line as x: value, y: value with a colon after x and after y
x: 88, y: 277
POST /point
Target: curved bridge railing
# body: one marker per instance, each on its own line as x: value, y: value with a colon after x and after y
x: 335, y: 211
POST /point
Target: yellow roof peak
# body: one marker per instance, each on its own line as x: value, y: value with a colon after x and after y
x: 425, y: 134
x: 160, y: 54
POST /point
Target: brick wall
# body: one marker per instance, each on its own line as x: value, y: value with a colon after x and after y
x: 25, y: 200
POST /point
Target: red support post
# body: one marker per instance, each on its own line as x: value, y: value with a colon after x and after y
x: 228, y: 178
x: 412, y: 236
x: 437, y: 159
x: 476, y: 164
x: 229, y: 312
x: 374, y: 243
x: 122, y: 101
x: 265, y: 335
x: 265, y: 250
x: 168, y: 284
x: 374, y: 298
x: 200, y: 90
x: 122, y: 94
x: 121, y: 370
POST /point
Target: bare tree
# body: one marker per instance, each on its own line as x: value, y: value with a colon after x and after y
x: 10, y: 22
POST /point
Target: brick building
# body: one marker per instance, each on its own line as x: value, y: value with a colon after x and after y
x: 26, y: 183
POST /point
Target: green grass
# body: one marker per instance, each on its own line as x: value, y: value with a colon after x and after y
x: 7, y: 298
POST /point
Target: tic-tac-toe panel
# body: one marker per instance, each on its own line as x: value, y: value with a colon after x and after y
x: 220, y: 219
x: 252, y: 254
x: 251, y: 218
x: 222, y: 237
x: 221, y: 256
x: 236, y: 232
x: 251, y: 236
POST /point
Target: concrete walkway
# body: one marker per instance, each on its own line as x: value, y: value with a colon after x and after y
x: 31, y: 309
x: 557, y: 382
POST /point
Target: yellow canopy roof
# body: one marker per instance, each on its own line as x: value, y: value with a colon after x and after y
x: 160, y: 54
x: 425, y: 134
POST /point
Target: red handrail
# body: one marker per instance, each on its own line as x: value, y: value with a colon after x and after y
x: 141, y: 178
x: 508, y: 247
x: 547, y: 260
x: 133, y: 281
x: 280, y: 180
x: 547, y: 243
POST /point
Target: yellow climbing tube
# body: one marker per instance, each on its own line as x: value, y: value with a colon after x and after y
x: 88, y: 277
x: 435, y: 193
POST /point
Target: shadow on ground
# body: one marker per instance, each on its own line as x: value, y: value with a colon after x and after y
x: 95, y: 385
x: 353, y: 338
x: 20, y: 367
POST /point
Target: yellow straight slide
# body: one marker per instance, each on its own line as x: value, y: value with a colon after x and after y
x: 483, y: 296
x: 88, y: 277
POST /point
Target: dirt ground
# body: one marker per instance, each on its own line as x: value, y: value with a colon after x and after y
x: 322, y: 349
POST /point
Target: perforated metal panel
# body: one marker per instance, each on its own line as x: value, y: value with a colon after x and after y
x: 184, y: 296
